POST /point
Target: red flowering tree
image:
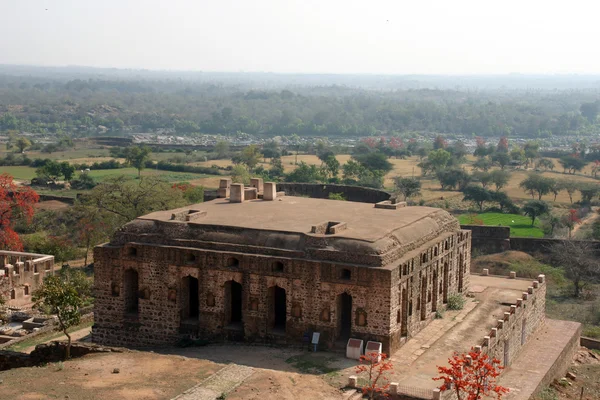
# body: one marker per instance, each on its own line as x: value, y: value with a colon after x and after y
x: 15, y: 201
x: 502, y: 145
x: 440, y: 143
x: 375, y: 367
x: 370, y: 141
x: 472, y: 376
x: 570, y: 220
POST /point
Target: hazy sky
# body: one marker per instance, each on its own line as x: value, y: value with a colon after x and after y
x: 334, y: 36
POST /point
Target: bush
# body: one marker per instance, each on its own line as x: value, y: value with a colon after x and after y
x: 456, y: 302
x: 592, y: 332
x: 336, y: 196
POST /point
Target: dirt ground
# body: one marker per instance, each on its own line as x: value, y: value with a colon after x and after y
x: 141, y: 375
x: 51, y: 205
x: 586, y: 368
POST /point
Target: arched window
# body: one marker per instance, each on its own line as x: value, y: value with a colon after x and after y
x: 190, y: 258
x: 346, y: 274
x: 131, y: 289
x: 132, y: 252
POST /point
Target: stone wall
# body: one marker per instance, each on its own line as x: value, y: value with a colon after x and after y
x: 49, y: 352
x: 506, y: 339
x: 21, y: 274
x: 496, y: 239
x: 322, y: 191
x: 144, y: 296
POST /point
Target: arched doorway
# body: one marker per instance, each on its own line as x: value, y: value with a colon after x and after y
x: 460, y: 272
x: 446, y: 273
x: 435, y: 291
x: 233, y: 303
x: 424, y: 298
x: 190, y: 304
x: 130, y: 291
x: 277, y: 309
x: 344, y: 315
x: 404, y: 311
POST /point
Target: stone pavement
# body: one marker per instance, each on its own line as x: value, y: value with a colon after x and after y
x: 224, y: 381
x: 534, y: 364
x: 418, y: 344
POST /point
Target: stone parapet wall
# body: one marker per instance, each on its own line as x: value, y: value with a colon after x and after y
x: 21, y: 274
x: 519, y: 323
x: 322, y: 191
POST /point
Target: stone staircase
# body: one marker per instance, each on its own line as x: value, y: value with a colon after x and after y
x: 352, y: 394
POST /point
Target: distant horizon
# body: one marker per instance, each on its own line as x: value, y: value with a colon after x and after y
x: 144, y: 69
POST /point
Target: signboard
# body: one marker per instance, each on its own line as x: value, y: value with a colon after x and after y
x: 374, y: 347
x: 354, y: 349
x: 315, y: 338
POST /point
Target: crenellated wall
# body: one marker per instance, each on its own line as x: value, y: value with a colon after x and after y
x: 508, y: 336
x: 21, y: 274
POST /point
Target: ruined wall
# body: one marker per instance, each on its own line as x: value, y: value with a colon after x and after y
x: 518, y: 324
x: 322, y: 191
x: 22, y: 274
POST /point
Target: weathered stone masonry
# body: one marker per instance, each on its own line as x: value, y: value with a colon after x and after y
x: 21, y: 274
x: 254, y: 271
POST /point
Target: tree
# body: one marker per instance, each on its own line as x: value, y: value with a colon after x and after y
x: 483, y: 164
x: 332, y: 166
x: 221, y: 149
x: 439, y: 143
x: 517, y: 154
x: 22, y: 143
x: 375, y: 366
x: 545, y: 163
x: 568, y: 185
x: 472, y: 376
x: 408, y: 187
x: 458, y: 150
x: 535, y: 208
x: 375, y: 161
x: 305, y: 173
x: 439, y: 159
x: 67, y: 170
x: 250, y: 156
x: 15, y: 201
x: 502, y: 146
x: 485, y: 178
x: 92, y: 227
x: 500, y: 178
x: 128, y: 199
x: 51, y: 170
x: 478, y: 195
x: 505, y: 203
x: 137, y: 156
x: 579, y: 261
x: 63, y: 294
x: 239, y: 174
x: 572, y: 164
x: 590, y: 111
x: 588, y: 191
x: 451, y: 178
x: 536, y: 183
x: 531, y: 150
x: 271, y: 149
x: 502, y: 159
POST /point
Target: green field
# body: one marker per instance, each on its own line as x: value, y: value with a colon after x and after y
x: 519, y: 224
x: 27, y: 173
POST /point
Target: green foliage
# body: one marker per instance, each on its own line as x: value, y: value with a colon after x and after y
x: 250, y: 156
x: 456, y: 301
x: 336, y: 196
x: 478, y: 195
x: 408, y: 187
x: 62, y: 248
x: 305, y: 173
x: 537, y: 184
x: 572, y: 164
x: 63, y: 294
x: 438, y: 159
x: 453, y: 178
x: 128, y: 199
x: 239, y: 174
x: 591, y: 332
x: 137, y: 157
x: 535, y: 208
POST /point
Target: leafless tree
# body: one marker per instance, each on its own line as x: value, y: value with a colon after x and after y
x: 579, y: 259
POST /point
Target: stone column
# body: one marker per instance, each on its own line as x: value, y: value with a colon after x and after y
x: 237, y: 193
x: 270, y: 191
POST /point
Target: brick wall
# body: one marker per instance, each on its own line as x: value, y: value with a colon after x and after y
x: 322, y: 191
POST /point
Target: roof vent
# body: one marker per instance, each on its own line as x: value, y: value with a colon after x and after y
x: 329, y: 228
x: 388, y: 205
x: 187, y: 215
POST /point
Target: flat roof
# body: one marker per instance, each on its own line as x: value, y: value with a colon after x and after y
x: 299, y: 215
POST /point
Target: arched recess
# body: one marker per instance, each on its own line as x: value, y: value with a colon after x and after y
x: 233, y: 304
x: 344, y: 315
x: 461, y: 272
x: 189, y: 299
x: 435, y: 290
x: 446, y: 279
x: 277, y: 316
x: 131, y: 285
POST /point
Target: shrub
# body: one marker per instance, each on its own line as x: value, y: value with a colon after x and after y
x: 336, y: 196
x: 456, y: 302
x: 592, y: 332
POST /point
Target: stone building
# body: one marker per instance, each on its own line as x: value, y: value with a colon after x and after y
x: 277, y: 268
x: 21, y: 274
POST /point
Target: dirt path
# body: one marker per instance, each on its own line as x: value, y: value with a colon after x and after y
x: 589, y: 219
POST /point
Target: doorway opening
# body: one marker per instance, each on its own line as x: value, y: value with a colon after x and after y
x: 434, y: 291
x: 424, y: 298
x: 445, y: 279
x: 404, y: 316
x: 460, y: 273
x: 190, y: 304
x: 344, y: 315
x: 278, y: 314
x: 233, y: 297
